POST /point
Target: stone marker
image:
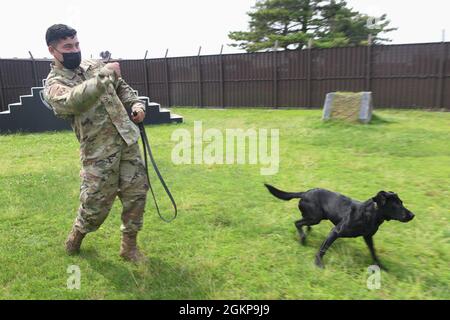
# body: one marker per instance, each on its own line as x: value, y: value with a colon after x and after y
x: 349, y: 106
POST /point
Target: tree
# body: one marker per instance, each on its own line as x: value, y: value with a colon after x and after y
x: 342, y: 26
x: 292, y: 23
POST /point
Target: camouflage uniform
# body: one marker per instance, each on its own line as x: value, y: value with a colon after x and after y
x: 93, y: 100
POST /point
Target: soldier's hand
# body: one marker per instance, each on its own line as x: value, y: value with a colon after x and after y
x: 139, y: 117
x: 115, y: 66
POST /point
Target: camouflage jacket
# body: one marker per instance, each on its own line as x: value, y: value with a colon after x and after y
x: 94, y: 101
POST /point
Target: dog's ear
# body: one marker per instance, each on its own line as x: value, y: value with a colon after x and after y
x: 380, y: 198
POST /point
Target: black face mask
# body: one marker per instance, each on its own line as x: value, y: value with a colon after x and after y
x: 71, y: 60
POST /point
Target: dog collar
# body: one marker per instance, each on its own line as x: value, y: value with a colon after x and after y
x: 376, y: 205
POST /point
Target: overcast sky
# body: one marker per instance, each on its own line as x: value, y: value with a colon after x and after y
x: 131, y: 27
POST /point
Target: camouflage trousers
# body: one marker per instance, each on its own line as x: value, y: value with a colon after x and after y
x: 122, y: 174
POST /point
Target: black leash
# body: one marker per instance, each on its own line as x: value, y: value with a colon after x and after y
x: 148, y: 150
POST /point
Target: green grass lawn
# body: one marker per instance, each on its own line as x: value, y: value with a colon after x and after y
x: 232, y: 240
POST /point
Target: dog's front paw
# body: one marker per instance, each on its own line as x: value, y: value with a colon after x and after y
x: 319, y: 263
x: 303, y: 240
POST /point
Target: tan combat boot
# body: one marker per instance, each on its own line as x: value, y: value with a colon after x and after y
x: 128, y: 249
x: 73, y: 242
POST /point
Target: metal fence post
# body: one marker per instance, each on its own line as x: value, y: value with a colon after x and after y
x: 275, y: 76
x: 167, y: 78
x: 2, y: 92
x: 309, y: 75
x: 222, y: 85
x: 441, y: 79
x: 147, y: 91
x: 33, y: 67
x: 199, y: 78
x: 368, y: 85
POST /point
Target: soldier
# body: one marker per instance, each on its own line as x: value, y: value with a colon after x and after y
x: 93, y: 96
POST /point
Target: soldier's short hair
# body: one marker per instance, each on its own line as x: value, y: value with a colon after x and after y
x: 59, y: 32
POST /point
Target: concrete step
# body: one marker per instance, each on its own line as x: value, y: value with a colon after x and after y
x: 5, y: 120
x: 13, y: 107
x: 25, y: 97
x: 175, y: 118
x: 30, y: 100
x: 154, y: 109
x: 145, y: 99
x: 35, y: 90
x: 158, y: 117
x: 154, y: 104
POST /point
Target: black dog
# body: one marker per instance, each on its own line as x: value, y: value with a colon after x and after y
x: 351, y: 218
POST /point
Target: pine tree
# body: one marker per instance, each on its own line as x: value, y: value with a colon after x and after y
x: 292, y: 23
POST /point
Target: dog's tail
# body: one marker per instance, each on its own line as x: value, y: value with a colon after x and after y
x: 283, y: 195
